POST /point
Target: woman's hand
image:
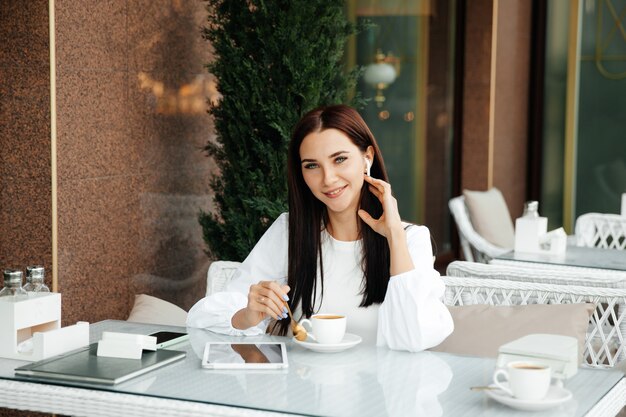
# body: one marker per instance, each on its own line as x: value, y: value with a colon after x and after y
x: 390, y: 226
x: 267, y: 298
x: 389, y: 223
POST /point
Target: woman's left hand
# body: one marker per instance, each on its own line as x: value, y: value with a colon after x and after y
x: 390, y: 221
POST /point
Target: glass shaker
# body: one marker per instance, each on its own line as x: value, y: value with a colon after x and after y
x: 531, y: 209
x: 12, y: 284
x: 34, y: 279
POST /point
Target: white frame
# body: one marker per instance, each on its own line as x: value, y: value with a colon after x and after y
x: 238, y: 365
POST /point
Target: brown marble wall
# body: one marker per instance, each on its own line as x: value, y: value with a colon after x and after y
x: 25, y: 190
x: 496, y: 92
x: 131, y: 106
x: 510, y: 145
x: 476, y: 95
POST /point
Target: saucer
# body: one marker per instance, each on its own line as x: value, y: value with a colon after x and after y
x: 349, y: 340
x: 556, y: 396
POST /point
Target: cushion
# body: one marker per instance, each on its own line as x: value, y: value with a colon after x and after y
x: 148, y: 309
x: 490, y: 216
x: 479, y: 330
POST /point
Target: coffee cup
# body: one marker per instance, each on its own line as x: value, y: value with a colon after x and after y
x: 326, y: 328
x: 526, y: 380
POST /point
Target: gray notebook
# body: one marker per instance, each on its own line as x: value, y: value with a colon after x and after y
x: 87, y: 367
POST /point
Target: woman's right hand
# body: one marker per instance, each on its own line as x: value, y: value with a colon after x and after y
x: 266, y: 298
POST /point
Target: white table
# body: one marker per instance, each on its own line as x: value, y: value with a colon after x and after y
x: 362, y: 381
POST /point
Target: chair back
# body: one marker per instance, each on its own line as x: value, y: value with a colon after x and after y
x: 539, y: 273
x: 601, y: 230
x: 605, y: 341
x: 475, y: 248
x: 219, y: 275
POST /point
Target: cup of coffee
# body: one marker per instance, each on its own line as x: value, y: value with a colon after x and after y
x: 326, y: 328
x: 526, y: 380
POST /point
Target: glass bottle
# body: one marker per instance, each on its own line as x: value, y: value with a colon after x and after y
x: 531, y: 209
x: 12, y: 284
x: 34, y: 279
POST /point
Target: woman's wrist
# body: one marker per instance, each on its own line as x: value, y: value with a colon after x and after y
x: 241, y: 320
x: 396, y: 236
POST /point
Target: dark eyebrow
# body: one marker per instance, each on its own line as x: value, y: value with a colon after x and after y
x: 330, y: 156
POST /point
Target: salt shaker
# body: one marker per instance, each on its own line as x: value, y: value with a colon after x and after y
x: 13, y: 284
x: 34, y: 278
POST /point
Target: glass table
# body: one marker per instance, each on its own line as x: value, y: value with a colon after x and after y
x: 361, y: 381
x: 576, y: 256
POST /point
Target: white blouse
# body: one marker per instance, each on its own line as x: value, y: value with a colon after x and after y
x: 412, y: 316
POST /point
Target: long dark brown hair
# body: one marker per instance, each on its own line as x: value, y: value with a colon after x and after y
x: 308, y: 216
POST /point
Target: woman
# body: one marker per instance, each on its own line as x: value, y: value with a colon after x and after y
x: 342, y: 248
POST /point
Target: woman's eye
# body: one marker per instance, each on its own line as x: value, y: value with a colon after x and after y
x: 310, y: 166
x: 340, y: 159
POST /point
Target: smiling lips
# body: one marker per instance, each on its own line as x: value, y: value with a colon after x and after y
x: 336, y: 192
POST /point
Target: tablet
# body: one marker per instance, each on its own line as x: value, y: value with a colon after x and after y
x: 245, y: 355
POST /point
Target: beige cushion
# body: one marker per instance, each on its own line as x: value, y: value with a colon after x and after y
x: 479, y: 330
x: 148, y: 309
x: 490, y: 216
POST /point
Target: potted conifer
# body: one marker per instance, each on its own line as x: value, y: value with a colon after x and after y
x: 274, y: 61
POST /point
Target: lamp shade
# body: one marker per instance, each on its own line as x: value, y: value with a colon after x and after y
x: 379, y: 73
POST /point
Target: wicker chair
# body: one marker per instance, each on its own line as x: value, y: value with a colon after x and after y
x: 475, y: 247
x: 601, y: 230
x: 539, y: 273
x: 219, y: 275
x: 605, y: 343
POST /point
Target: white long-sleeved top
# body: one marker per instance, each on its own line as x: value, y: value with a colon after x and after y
x: 412, y: 316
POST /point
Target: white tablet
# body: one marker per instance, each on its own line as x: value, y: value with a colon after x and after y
x: 245, y: 355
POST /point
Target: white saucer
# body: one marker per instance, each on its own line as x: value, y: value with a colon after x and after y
x: 349, y: 340
x: 556, y: 396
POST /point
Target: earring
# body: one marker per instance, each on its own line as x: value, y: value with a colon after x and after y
x: 368, y: 166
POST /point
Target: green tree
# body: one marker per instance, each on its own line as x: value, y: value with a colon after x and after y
x: 274, y: 61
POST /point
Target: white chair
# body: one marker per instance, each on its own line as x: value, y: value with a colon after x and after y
x: 605, y: 342
x: 539, y: 273
x: 219, y: 275
x: 601, y: 230
x: 475, y: 247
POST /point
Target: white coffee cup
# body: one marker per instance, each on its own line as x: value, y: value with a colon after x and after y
x: 527, y: 380
x: 326, y: 328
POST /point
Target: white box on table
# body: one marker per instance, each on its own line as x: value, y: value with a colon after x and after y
x: 528, y: 232
x: 39, y: 317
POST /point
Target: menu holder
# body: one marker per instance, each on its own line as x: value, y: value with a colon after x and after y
x: 557, y: 351
x: 37, y: 320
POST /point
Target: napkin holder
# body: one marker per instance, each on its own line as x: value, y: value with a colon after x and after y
x: 528, y: 232
x: 36, y: 320
x: 557, y: 351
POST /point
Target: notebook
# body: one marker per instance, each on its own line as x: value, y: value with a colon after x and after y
x: 87, y: 367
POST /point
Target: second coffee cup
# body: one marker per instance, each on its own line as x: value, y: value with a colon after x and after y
x: 326, y: 328
x: 526, y: 380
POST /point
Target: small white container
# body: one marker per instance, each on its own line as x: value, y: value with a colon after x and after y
x: 528, y: 232
x: 37, y: 317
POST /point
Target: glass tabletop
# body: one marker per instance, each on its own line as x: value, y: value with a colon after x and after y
x: 574, y: 256
x: 361, y: 381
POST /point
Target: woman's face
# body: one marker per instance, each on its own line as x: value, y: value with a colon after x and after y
x: 333, y: 167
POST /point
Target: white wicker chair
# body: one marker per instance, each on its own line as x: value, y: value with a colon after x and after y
x: 601, y: 230
x: 539, y: 273
x: 219, y: 275
x: 605, y: 343
x: 475, y: 247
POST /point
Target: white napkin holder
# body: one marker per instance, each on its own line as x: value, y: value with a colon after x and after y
x: 554, y: 242
x: 125, y: 345
x: 36, y: 322
x: 528, y: 232
x: 557, y: 351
